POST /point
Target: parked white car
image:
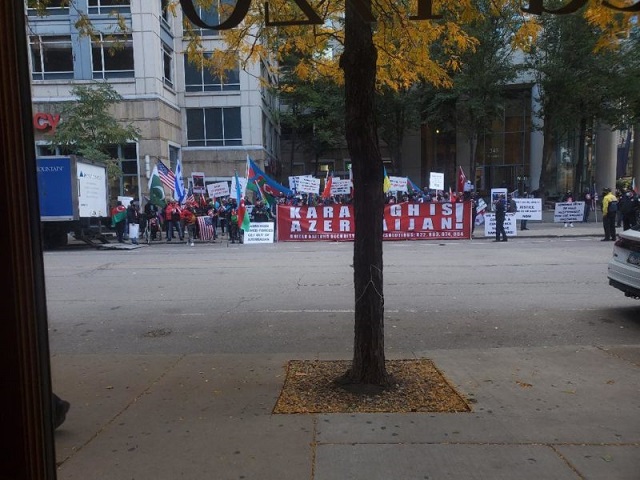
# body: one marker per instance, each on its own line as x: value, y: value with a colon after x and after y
x: 624, y: 266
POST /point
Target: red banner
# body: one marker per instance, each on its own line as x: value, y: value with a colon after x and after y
x: 402, y: 221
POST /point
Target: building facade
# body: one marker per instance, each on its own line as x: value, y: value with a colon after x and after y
x: 181, y: 110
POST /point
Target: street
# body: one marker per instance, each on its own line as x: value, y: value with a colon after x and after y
x: 297, y: 297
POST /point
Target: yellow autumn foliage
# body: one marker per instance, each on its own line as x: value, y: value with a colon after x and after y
x: 404, y: 45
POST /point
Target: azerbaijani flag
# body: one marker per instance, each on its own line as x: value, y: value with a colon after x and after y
x: 118, y: 215
x: 244, y: 222
x: 267, y: 185
x: 412, y: 187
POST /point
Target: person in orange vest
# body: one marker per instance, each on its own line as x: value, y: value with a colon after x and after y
x: 118, y: 220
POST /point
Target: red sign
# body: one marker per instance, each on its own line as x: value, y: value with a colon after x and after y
x: 402, y: 221
x: 46, y: 121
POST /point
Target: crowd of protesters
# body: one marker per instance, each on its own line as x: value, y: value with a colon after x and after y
x: 179, y: 222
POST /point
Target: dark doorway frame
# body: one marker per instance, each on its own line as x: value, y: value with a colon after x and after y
x: 26, y: 437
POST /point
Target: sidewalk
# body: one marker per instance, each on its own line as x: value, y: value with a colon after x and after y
x: 538, y: 414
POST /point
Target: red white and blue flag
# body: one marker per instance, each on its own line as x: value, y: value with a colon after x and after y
x: 205, y: 226
x: 167, y: 177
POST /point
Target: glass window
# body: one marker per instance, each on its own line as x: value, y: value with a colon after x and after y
x: 199, y: 79
x: 127, y: 183
x: 214, y: 127
x: 167, y: 64
x: 45, y: 150
x: 106, y: 7
x: 165, y: 18
x: 210, y: 16
x: 112, y: 56
x: 52, y: 7
x: 174, y: 154
x: 51, y: 57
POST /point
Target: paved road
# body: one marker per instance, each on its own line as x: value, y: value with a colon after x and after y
x: 291, y: 297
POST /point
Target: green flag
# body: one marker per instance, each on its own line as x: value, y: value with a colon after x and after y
x: 156, y: 190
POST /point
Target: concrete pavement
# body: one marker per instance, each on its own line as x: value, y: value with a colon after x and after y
x: 539, y: 413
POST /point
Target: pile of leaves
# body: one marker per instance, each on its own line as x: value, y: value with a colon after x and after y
x: 311, y: 386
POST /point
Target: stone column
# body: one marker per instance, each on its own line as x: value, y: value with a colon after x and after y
x: 606, y: 155
x: 536, y: 141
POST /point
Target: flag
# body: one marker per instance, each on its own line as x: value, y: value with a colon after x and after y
x: 203, y: 200
x: 190, y: 200
x: 268, y: 185
x: 386, y: 183
x: 462, y: 179
x: 326, y: 193
x: 243, y: 218
x: 118, y: 214
x: 179, y: 191
x: 205, y: 226
x: 167, y: 177
x: 412, y: 187
x: 156, y: 190
x: 258, y: 187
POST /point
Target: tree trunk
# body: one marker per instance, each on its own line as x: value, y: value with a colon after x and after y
x: 359, y: 65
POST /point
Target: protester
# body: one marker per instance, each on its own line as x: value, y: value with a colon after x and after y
x: 260, y: 213
x: 118, y: 220
x: 133, y: 219
x: 151, y: 219
x: 188, y: 217
x: 232, y: 222
x: 629, y: 207
x: 586, y: 198
x: 523, y: 221
x: 568, y: 198
x: 500, y: 208
x: 172, y: 220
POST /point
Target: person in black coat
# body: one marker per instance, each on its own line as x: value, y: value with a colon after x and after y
x: 501, y: 210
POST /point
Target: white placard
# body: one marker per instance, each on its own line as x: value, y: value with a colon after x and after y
x: 436, y: 181
x: 529, y: 208
x: 509, y: 225
x: 568, y: 212
x: 293, y: 181
x: 197, y: 179
x: 495, y: 194
x: 398, y: 184
x: 308, y: 185
x: 243, y: 186
x: 340, y: 187
x: 260, y: 232
x: 218, y: 189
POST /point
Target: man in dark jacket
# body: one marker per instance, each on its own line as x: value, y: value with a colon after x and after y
x: 501, y: 210
x: 628, y: 205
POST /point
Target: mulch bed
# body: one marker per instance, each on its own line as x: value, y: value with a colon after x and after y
x: 417, y: 386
